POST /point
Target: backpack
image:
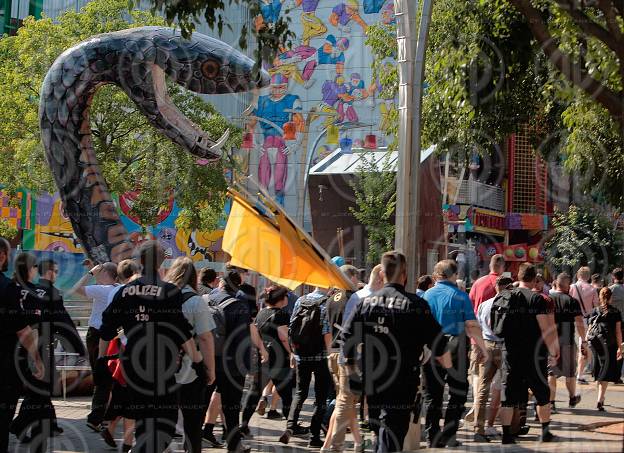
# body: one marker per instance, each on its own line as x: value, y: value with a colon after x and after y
x: 218, y: 315
x: 306, y: 326
x: 596, y: 330
x: 504, y: 317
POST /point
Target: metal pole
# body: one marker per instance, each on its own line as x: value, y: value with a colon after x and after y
x: 411, y: 59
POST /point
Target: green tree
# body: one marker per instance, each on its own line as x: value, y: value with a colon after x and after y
x: 132, y: 154
x: 583, y: 237
x: 486, y: 74
x: 374, y: 186
x: 7, y: 230
x: 269, y: 37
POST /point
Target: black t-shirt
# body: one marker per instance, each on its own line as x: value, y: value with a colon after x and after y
x: 531, y: 342
x: 12, y: 317
x: 567, y: 309
x: 150, y: 312
x: 394, y: 326
x: 609, y: 319
x: 268, y: 321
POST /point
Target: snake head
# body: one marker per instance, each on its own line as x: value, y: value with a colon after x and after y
x: 208, y: 66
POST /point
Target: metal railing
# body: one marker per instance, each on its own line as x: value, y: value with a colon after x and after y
x: 482, y: 195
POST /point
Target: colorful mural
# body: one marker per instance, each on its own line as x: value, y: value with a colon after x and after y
x: 321, y: 91
x: 52, y: 232
x: 13, y: 213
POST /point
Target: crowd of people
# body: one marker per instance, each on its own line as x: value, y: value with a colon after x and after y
x: 173, y: 350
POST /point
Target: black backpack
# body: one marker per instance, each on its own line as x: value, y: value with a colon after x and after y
x: 505, y: 319
x: 219, y: 334
x: 306, y: 326
x: 597, y: 333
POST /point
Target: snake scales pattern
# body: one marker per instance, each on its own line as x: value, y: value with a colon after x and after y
x: 138, y: 60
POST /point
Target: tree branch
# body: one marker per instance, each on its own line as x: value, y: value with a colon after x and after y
x: 587, y: 25
x: 608, y: 9
x: 605, y: 96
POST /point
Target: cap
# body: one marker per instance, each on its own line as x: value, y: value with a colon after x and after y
x: 338, y: 261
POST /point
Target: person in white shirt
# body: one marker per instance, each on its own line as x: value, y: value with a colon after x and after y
x: 586, y: 294
x: 105, y: 282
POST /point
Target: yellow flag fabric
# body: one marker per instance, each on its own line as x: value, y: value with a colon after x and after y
x: 276, y: 248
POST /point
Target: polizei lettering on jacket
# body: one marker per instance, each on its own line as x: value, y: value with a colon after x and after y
x: 390, y: 303
x: 142, y: 290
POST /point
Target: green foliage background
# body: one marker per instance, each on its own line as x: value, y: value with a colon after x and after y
x: 584, y: 237
x: 131, y: 152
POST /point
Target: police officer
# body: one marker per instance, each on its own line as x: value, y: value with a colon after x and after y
x: 150, y: 312
x: 14, y: 328
x: 36, y: 411
x: 390, y: 328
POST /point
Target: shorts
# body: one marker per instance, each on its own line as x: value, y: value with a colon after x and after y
x: 521, y: 376
x: 566, y: 365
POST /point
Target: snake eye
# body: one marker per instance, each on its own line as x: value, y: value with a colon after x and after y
x: 210, y: 68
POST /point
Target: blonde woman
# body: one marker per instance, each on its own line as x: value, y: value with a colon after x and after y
x: 196, y: 381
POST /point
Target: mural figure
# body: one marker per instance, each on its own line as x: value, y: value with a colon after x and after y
x: 353, y: 91
x: 276, y: 108
x: 137, y: 60
x: 312, y: 25
x: 269, y: 13
x: 343, y: 13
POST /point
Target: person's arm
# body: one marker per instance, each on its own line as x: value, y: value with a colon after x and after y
x: 327, y: 338
x: 580, y: 326
x: 29, y: 338
x: 549, y: 334
x: 207, y: 349
x: 256, y: 339
x: 473, y: 330
x: 79, y: 287
x: 282, y: 332
x: 190, y: 349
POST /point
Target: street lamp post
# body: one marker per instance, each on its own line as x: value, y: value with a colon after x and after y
x: 412, y: 43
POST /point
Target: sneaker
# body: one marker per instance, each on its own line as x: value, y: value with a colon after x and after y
x: 582, y: 381
x: 56, y: 430
x: 523, y: 431
x: 452, y: 443
x: 490, y: 431
x: 212, y: 440
x: 246, y: 432
x: 315, y: 442
x: 600, y: 407
x: 285, y: 437
x: 477, y: 437
x: 125, y: 448
x: 97, y: 428
x: 273, y: 415
x: 262, y: 405
x: 108, y: 438
x: 575, y: 400
x: 299, y: 430
x: 553, y: 408
x: 548, y: 437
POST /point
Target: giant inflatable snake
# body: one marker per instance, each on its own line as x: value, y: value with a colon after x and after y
x: 137, y: 60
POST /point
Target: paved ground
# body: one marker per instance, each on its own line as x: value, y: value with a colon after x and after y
x: 570, y: 424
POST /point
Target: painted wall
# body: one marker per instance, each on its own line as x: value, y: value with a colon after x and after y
x: 327, y: 69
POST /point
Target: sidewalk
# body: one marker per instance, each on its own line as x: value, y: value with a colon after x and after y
x: 568, y: 423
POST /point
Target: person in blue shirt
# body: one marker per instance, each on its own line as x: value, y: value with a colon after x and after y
x: 452, y: 308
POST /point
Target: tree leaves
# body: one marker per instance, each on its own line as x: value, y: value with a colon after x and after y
x: 583, y: 237
x: 132, y: 154
x: 374, y: 186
